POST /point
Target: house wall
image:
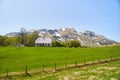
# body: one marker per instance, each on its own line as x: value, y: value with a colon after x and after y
x: 43, y: 44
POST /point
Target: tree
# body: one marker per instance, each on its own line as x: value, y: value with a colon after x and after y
x: 74, y: 43
x: 8, y: 41
x: 63, y: 44
x: 30, y: 41
x: 11, y: 41
x: 56, y: 44
x: 23, y: 35
x: 2, y: 40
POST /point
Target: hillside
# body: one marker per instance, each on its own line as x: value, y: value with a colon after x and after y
x: 108, y: 71
x: 87, y: 38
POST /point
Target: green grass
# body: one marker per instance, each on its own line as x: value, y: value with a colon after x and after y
x: 15, y: 58
x: 108, y: 71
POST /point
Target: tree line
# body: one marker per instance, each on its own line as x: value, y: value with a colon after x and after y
x: 22, y: 39
x: 70, y: 43
x: 28, y: 39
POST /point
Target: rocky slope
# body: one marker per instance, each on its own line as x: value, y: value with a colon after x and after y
x: 87, y: 38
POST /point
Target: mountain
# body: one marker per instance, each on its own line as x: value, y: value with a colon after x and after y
x: 96, y: 39
x: 87, y: 38
x: 12, y: 34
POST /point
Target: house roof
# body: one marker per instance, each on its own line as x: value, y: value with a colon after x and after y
x: 43, y: 40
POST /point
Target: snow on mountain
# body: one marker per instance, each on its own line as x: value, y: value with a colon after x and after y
x: 87, y: 38
x: 12, y: 34
x: 32, y: 30
x: 63, y: 29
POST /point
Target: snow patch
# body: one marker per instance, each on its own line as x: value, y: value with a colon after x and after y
x: 57, y: 34
x: 63, y: 29
x: 42, y: 32
x: 98, y: 43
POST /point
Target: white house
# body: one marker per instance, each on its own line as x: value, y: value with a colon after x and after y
x: 43, y: 42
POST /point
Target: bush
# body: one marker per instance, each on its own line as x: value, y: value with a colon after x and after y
x: 56, y: 44
x: 74, y: 43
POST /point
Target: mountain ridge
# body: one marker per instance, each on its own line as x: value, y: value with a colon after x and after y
x: 86, y: 38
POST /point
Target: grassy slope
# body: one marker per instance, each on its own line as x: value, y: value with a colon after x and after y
x: 108, y: 71
x: 16, y: 58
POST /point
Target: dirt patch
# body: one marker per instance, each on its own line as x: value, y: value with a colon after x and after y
x: 93, y: 78
x: 107, y: 68
x: 113, y: 79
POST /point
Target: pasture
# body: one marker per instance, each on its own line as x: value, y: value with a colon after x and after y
x: 16, y: 58
x: 108, y: 71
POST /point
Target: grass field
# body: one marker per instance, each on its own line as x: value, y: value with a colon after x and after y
x: 15, y: 58
x: 108, y: 71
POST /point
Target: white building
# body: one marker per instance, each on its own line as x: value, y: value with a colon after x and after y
x: 43, y: 42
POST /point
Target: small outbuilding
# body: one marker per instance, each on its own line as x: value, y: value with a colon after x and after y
x: 42, y: 41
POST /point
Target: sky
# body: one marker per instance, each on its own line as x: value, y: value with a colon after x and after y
x: 99, y: 16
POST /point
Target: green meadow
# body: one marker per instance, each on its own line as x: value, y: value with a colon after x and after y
x: 16, y: 58
x: 108, y: 71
